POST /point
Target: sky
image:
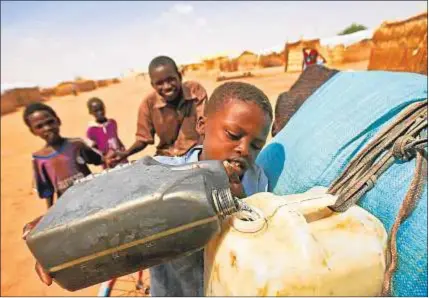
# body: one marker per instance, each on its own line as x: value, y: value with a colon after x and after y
x: 45, y: 42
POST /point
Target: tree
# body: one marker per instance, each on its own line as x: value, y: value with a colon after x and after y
x: 352, y: 29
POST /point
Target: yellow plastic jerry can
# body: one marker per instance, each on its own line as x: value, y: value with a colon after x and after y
x: 294, y: 246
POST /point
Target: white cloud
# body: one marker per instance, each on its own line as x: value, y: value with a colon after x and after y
x: 201, y: 22
x: 183, y: 8
x: 46, y: 53
x: 175, y: 15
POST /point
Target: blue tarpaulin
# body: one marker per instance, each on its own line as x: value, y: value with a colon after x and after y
x: 329, y: 129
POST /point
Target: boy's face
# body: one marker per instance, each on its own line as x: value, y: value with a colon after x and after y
x: 43, y: 124
x: 236, y: 133
x: 166, y: 81
x: 97, y: 110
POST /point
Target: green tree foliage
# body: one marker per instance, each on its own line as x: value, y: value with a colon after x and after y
x: 352, y: 29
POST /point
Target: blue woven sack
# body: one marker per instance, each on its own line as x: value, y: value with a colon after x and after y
x: 330, y: 128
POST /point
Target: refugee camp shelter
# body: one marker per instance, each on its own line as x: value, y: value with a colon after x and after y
x: 401, y: 46
x: 18, y: 97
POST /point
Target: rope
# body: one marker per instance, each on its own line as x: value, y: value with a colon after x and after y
x: 400, y: 140
x: 403, y: 140
x: 403, y: 121
x: 407, y: 207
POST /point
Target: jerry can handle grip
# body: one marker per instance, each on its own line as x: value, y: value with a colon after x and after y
x: 206, y: 164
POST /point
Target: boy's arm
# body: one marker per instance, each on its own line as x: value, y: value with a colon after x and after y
x: 43, y: 185
x: 121, y: 145
x: 145, y: 132
x: 90, y: 138
x: 90, y: 155
x: 115, y: 125
x: 135, y: 148
x: 145, y: 129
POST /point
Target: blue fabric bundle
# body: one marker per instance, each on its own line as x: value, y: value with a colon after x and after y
x: 329, y: 129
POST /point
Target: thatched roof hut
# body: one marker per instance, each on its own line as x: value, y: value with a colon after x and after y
x: 106, y: 82
x: 86, y: 85
x: 193, y: 67
x: 334, y: 55
x: 66, y: 88
x: 223, y: 63
x: 103, y: 83
x: 359, y: 51
x: 47, y: 92
x: 336, y: 50
x: 7, y: 106
x: 271, y: 59
x: 228, y: 65
x: 215, y: 62
x: 401, y: 46
x: 247, y: 61
x: 17, y: 97
x: 293, y: 53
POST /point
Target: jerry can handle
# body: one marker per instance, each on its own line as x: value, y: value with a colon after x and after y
x: 212, y: 165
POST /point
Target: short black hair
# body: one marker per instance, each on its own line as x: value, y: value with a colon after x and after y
x: 94, y: 100
x: 239, y: 91
x: 162, y: 61
x: 35, y: 107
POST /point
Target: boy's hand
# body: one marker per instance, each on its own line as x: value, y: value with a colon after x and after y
x: 117, y: 158
x: 234, y: 181
x: 109, y: 159
x: 43, y: 274
x: 29, y: 226
x: 113, y: 158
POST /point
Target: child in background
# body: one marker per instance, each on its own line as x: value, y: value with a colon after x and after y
x: 170, y: 111
x: 311, y: 57
x: 62, y: 160
x: 103, y: 132
x: 58, y: 164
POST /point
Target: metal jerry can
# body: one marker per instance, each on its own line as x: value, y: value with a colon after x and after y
x: 130, y: 218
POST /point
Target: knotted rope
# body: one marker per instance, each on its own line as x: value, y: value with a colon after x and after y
x: 402, y: 141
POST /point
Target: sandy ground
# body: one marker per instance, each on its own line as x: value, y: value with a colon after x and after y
x: 18, y: 203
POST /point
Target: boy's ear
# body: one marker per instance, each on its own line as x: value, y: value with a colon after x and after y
x: 201, y: 126
x: 59, y: 121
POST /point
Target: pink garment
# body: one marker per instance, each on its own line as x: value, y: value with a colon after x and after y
x: 105, y: 136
